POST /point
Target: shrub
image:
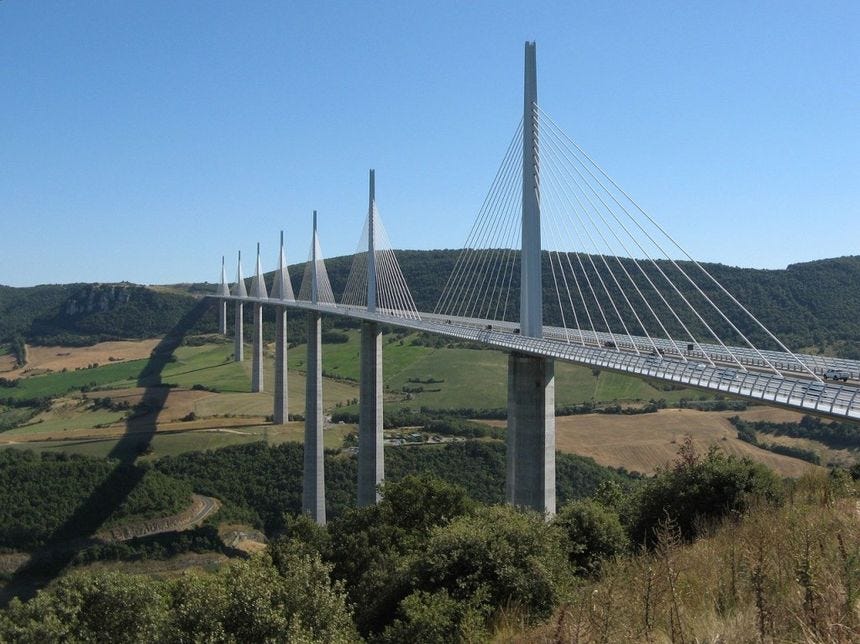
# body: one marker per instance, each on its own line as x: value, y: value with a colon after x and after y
x: 498, y: 556
x: 696, y: 491
x: 594, y: 533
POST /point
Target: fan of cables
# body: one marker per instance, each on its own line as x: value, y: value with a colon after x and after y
x: 612, y: 276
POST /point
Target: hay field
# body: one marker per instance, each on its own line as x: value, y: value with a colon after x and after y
x: 645, y: 442
x: 52, y: 359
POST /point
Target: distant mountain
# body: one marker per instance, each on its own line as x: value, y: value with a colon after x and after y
x: 813, y: 305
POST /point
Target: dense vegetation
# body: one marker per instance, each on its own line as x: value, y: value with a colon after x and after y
x: 431, y: 564
x: 54, y: 497
x: 247, y: 601
x: 697, y: 491
x: 810, y: 305
x: 260, y: 484
x: 748, y: 434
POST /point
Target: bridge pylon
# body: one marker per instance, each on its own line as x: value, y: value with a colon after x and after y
x: 281, y: 290
x: 313, y: 488
x: 238, y: 331
x: 223, y: 293
x: 530, y: 475
x: 258, y: 290
x: 371, y: 461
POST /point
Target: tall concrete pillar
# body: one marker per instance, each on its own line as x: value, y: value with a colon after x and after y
x: 313, y: 491
x: 239, y: 331
x: 280, y: 414
x: 531, y: 433
x: 238, y: 334
x: 222, y: 317
x: 531, y: 296
x: 223, y: 291
x: 371, y: 461
x: 258, y: 291
x: 257, y: 358
x: 530, y: 467
x: 282, y: 289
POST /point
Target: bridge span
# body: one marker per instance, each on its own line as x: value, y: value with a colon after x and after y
x: 550, y: 207
x: 792, y: 388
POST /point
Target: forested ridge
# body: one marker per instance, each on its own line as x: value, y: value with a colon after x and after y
x: 812, y: 305
x: 83, y: 314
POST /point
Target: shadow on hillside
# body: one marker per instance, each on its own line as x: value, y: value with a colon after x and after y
x: 67, y: 540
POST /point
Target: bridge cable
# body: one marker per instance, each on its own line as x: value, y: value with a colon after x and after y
x: 666, y: 277
x: 455, y: 281
x: 599, y: 231
x: 704, y: 270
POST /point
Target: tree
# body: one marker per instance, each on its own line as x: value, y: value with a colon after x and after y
x: 594, y: 533
x: 372, y: 546
x: 89, y: 607
x: 696, y: 491
x: 497, y: 556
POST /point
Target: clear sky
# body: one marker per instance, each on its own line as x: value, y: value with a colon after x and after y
x: 141, y: 141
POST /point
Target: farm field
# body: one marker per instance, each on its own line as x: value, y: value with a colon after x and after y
x: 53, y: 358
x: 208, y: 403
x: 645, y: 442
x: 170, y: 439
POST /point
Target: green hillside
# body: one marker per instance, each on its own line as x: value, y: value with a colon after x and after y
x: 82, y: 314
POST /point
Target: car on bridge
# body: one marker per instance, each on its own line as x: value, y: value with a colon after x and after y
x: 837, y: 374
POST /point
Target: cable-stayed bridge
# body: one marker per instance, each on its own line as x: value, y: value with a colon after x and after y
x: 560, y: 264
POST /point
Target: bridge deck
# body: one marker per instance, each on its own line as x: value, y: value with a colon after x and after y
x: 788, y: 389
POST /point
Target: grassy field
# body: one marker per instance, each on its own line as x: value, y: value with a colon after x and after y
x: 68, y: 420
x: 120, y: 374
x: 476, y: 378
x: 41, y: 359
x: 468, y: 378
x: 209, y: 365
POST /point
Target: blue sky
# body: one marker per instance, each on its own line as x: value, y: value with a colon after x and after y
x: 141, y: 141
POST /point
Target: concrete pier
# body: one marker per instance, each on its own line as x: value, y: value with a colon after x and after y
x: 239, y: 331
x: 224, y: 292
x: 531, y: 433
x: 280, y: 414
x: 239, y: 334
x: 257, y: 358
x: 222, y: 317
x: 313, y: 492
x: 371, y: 462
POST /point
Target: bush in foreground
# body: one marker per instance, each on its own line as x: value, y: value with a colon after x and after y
x: 246, y: 601
x: 698, y: 491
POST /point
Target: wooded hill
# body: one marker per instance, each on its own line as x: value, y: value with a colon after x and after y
x: 810, y: 306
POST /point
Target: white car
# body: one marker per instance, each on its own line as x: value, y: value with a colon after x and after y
x: 837, y: 374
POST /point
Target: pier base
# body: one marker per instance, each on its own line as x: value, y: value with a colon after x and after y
x: 530, y: 480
